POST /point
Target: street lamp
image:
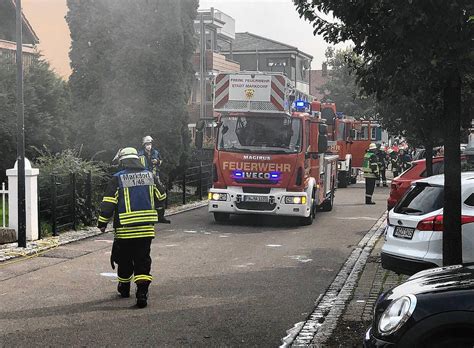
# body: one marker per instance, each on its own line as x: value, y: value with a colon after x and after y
x: 20, y: 129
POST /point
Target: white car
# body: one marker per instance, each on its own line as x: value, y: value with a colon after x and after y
x: 414, y: 234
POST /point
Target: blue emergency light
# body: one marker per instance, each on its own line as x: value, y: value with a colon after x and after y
x: 301, y: 105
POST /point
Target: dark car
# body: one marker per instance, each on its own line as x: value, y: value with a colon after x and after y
x: 433, y: 308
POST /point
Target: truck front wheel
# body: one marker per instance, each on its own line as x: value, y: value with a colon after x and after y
x: 221, y: 217
x: 342, y: 180
x: 306, y: 221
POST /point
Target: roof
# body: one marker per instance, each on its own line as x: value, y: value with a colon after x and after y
x: 26, y: 24
x: 438, y: 180
x: 248, y: 42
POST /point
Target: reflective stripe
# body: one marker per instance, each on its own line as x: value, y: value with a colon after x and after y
x: 125, y: 280
x: 135, y: 235
x: 103, y: 219
x: 138, y: 212
x: 142, y: 160
x: 142, y: 277
x: 152, y: 198
x: 161, y: 196
x: 136, y: 228
x: 110, y: 200
x: 151, y: 219
x: 126, y: 196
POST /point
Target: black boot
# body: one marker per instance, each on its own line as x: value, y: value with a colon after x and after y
x: 142, y: 294
x: 369, y: 201
x: 385, y: 184
x: 161, y: 217
x: 124, y: 289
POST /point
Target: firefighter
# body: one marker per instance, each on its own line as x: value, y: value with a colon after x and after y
x: 371, y: 172
x: 382, y: 161
x: 131, y: 198
x: 149, y: 156
x: 393, y: 155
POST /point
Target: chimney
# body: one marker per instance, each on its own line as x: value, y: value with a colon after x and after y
x: 324, y: 70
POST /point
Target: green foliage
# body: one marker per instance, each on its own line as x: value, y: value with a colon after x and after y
x: 132, y: 74
x: 47, y: 110
x: 342, y: 87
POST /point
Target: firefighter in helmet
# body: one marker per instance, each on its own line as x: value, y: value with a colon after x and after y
x: 371, y: 172
x: 149, y: 156
x: 131, y: 198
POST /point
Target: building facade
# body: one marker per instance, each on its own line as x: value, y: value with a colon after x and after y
x: 8, y: 35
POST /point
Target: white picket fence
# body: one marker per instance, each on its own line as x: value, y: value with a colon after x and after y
x: 4, y: 193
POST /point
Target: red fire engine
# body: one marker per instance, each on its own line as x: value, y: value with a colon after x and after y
x: 348, y: 138
x: 269, y: 156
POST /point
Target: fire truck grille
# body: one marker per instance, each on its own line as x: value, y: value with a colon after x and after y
x: 261, y: 206
x: 257, y: 181
x: 261, y: 190
x: 254, y: 106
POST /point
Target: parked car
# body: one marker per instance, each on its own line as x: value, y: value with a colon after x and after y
x: 433, y: 308
x: 417, y: 171
x: 414, y: 233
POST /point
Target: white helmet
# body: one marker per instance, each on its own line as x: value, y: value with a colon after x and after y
x: 147, y: 139
x: 372, y: 146
x: 125, y: 153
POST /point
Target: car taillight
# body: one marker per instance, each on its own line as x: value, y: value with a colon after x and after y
x: 435, y: 223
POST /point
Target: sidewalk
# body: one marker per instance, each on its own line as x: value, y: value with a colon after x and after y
x: 357, y: 316
x: 12, y: 251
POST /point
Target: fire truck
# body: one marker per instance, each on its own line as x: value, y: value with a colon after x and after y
x: 270, y: 152
x: 348, y: 138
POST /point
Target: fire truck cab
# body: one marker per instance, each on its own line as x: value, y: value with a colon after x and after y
x: 269, y: 156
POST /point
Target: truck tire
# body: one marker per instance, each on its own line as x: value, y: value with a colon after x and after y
x: 221, y: 217
x: 342, y: 180
x: 328, y: 203
x: 306, y: 221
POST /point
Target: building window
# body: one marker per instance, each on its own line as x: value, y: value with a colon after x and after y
x: 277, y: 64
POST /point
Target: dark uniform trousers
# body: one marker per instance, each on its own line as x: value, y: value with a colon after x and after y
x: 369, y: 188
x: 134, y: 258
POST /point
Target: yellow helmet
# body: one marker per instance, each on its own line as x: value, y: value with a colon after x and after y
x: 372, y: 146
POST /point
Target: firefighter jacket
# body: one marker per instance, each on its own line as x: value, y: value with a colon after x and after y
x: 147, y: 160
x: 371, y: 166
x: 132, y: 198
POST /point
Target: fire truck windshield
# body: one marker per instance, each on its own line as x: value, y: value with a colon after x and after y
x: 270, y: 134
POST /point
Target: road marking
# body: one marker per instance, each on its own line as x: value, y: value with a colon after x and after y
x: 104, y: 240
x: 223, y: 236
x: 110, y: 275
x: 244, y: 265
x: 171, y: 245
x: 190, y: 231
x: 300, y: 258
x: 274, y: 245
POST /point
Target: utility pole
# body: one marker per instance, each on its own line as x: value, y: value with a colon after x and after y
x: 202, y: 67
x: 20, y: 129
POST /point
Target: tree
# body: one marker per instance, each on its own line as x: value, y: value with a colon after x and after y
x: 407, y: 44
x: 342, y: 87
x: 132, y: 74
x: 47, y: 110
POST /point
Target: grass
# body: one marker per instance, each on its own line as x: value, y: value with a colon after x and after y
x: 1, y: 213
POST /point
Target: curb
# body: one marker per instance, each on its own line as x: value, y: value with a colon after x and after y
x: 330, y: 306
x: 12, y: 251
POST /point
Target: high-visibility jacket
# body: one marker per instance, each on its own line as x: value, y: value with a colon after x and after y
x: 131, y: 198
x: 370, y: 165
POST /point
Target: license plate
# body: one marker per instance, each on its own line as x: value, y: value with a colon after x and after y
x: 260, y: 199
x: 403, y: 232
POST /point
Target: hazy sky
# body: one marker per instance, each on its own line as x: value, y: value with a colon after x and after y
x: 275, y: 19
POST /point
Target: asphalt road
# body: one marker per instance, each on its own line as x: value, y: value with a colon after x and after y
x: 240, y: 284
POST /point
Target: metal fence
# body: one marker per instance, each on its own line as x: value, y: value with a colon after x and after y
x: 66, y: 201
x: 192, y: 185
